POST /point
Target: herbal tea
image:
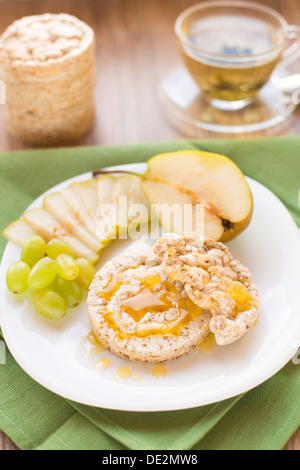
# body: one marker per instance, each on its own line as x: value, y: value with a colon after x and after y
x: 220, y: 52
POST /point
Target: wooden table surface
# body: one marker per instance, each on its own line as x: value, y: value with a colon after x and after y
x: 136, y: 49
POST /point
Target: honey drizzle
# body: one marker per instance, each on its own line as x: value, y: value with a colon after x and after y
x: 116, y: 281
x: 103, y: 364
x: 208, y: 344
x: 123, y: 373
x: 243, y: 299
x: 236, y: 289
x: 93, y: 345
x: 159, y: 301
x: 159, y: 372
x: 136, y: 377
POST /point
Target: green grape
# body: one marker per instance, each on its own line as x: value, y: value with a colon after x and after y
x: 69, y: 290
x: 42, y: 274
x: 33, y: 250
x: 50, y: 304
x: 68, y: 269
x: 17, y: 277
x: 57, y: 247
x: 86, y: 274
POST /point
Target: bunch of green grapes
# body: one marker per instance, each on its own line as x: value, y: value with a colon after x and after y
x: 53, y: 273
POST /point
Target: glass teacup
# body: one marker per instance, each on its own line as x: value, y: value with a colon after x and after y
x: 231, y: 48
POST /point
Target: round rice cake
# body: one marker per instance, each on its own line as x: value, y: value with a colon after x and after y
x: 138, y: 313
x: 41, y: 43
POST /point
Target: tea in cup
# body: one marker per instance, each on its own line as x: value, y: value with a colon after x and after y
x: 231, y: 48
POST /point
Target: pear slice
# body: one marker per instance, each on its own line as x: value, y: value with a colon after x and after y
x: 90, y: 198
x: 18, y: 232
x: 126, y: 203
x: 105, y: 188
x: 45, y: 225
x: 111, y: 216
x: 85, y: 207
x: 194, y: 177
x: 137, y: 196
x: 120, y: 198
x: 139, y: 210
x: 57, y: 206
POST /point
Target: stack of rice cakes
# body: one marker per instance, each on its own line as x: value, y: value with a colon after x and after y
x: 48, y: 66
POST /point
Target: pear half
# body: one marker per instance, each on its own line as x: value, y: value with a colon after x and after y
x: 197, y: 178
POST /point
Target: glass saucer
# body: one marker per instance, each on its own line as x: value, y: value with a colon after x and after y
x: 187, y: 108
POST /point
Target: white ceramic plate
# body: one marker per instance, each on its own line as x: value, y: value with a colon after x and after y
x: 55, y: 356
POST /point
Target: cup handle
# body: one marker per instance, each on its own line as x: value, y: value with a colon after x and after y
x: 290, y: 54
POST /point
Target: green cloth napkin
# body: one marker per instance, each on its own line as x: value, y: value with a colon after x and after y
x: 35, y: 418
